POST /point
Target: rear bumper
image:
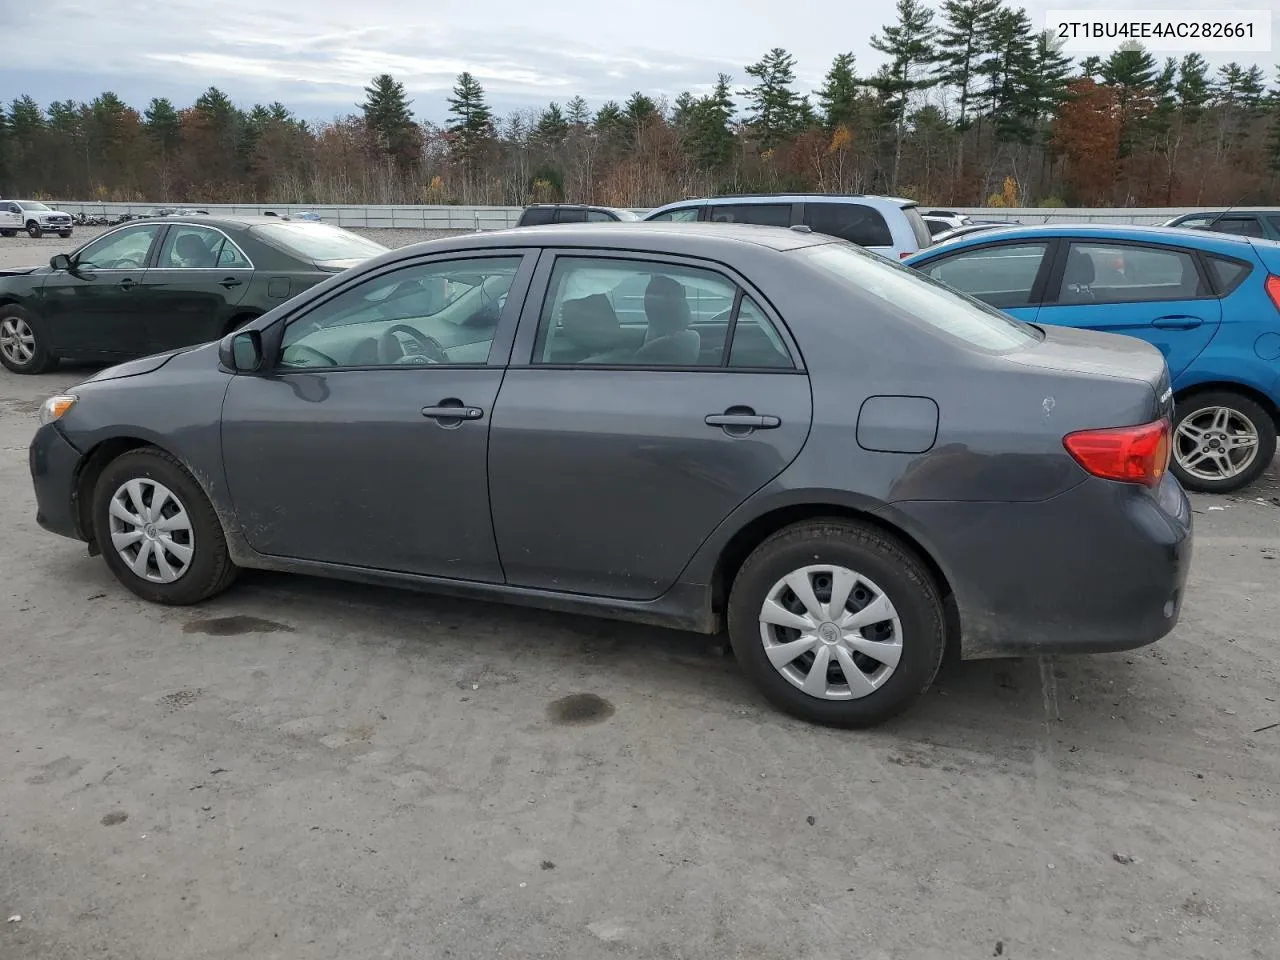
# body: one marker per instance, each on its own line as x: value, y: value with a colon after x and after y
x: 55, y: 463
x: 1099, y: 568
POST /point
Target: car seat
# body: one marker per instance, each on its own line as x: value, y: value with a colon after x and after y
x: 669, y: 340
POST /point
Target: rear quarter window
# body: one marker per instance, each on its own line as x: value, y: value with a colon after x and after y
x: 918, y: 227
x: 1227, y: 274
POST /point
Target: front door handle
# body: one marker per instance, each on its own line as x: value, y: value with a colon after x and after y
x: 1178, y: 322
x: 452, y: 412
x: 230, y: 282
x: 128, y: 283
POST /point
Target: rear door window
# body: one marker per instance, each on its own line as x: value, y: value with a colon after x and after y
x: 855, y: 222
x: 536, y: 216
x: 599, y: 216
x: 571, y: 215
x: 1239, y: 226
x: 1128, y: 273
x: 764, y: 214
x: 1003, y: 276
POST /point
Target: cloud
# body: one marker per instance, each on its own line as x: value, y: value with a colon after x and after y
x: 317, y: 56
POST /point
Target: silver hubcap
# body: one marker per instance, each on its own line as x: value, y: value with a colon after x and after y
x: 17, y: 341
x: 831, y: 632
x: 151, y: 531
x: 1216, y: 443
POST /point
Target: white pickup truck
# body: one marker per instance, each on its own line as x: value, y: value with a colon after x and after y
x: 34, y: 217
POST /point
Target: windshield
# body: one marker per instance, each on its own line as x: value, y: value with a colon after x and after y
x: 319, y: 241
x: 32, y: 205
x: 919, y: 296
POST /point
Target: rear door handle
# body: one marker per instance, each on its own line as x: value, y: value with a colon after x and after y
x: 128, y: 283
x: 230, y: 282
x: 1176, y: 322
x: 751, y: 421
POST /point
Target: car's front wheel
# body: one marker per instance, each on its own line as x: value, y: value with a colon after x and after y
x: 836, y: 622
x: 22, y: 348
x: 157, y: 530
x: 1222, y: 441
x: 34, y: 231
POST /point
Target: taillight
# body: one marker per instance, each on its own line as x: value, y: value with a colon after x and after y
x: 1273, y: 289
x: 903, y: 256
x: 1127, y: 454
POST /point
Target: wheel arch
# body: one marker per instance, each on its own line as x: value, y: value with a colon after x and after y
x: 734, y: 552
x: 1232, y: 386
x: 91, y: 467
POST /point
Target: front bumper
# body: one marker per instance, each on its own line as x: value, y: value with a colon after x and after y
x: 55, y: 465
x: 1099, y: 568
x: 57, y: 227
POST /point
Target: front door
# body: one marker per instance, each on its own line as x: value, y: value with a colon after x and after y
x: 10, y: 216
x: 366, y: 444
x: 621, y: 439
x: 1155, y: 293
x: 93, y: 308
x: 191, y: 294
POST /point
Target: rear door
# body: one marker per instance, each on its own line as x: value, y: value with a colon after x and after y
x: 192, y: 291
x: 622, y: 436
x: 1154, y: 292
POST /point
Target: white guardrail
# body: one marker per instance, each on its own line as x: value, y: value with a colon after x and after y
x: 441, y: 217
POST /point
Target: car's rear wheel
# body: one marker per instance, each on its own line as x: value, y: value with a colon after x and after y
x: 836, y: 622
x: 158, y: 531
x: 22, y: 348
x: 8, y: 233
x: 1222, y: 441
x: 34, y: 231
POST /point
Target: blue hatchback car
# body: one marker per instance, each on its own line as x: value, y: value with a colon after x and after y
x: 1209, y: 302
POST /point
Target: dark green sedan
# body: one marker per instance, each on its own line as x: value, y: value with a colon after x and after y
x: 156, y: 285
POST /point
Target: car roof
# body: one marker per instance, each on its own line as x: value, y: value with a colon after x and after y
x: 223, y: 221
x: 1173, y: 236
x: 866, y: 198
x: 691, y: 239
x: 1255, y: 211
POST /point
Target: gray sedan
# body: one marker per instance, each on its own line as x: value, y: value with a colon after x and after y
x: 844, y: 463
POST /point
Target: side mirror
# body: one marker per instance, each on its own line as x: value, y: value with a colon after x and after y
x: 242, y: 351
x: 60, y: 261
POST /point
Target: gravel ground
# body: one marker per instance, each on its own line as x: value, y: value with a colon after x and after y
x: 304, y: 768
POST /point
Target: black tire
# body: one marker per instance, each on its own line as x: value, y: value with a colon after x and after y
x: 34, y: 231
x: 1191, y: 409
x: 65, y: 234
x: 210, y: 570
x: 892, y: 566
x: 41, y: 360
x: 8, y: 233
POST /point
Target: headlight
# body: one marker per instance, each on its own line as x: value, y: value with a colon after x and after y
x: 53, y: 408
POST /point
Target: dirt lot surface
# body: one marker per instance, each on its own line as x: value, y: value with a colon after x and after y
x: 306, y: 769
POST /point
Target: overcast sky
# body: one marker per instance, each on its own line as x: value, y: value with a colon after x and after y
x: 317, y: 55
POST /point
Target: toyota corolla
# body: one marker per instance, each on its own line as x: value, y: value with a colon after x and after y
x: 847, y: 465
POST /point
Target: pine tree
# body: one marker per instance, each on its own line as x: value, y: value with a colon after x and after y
x: 387, y: 116
x: 162, y: 125
x: 840, y: 94
x: 909, y: 46
x: 1010, y: 60
x: 683, y: 110
x: 962, y: 43
x: 710, y: 137
x: 1130, y: 72
x: 552, y: 128
x: 610, y: 122
x: 1193, y: 87
x: 578, y: 113
x: 776, y: 112
x: 472, y: 122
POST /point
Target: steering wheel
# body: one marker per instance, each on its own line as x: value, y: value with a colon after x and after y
x: 422, y: 349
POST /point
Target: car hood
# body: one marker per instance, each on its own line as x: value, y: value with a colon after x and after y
x: 21, y: 271
x: 135, y: 368
x: 45, y: 214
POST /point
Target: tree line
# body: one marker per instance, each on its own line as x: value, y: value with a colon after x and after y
x: 971, y: 106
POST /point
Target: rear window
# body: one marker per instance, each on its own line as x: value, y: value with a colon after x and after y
x: 764, y: 214
x: 536, y: 216
x: 918, y: 227
x: 678, y: 215
x: 320, y: 242
x: 928, y: 301
x: 855, y: 222
x: 1227, y: 274
x: 1240, y: 226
